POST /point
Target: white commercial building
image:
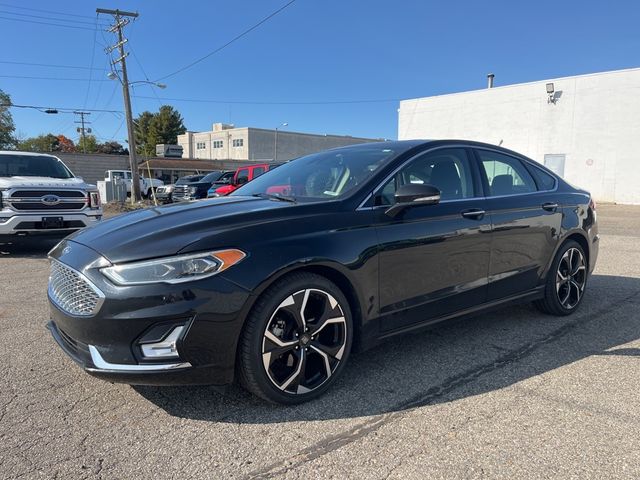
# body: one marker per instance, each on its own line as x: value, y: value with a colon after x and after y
x: 226, y: 142
x: 586, y: 128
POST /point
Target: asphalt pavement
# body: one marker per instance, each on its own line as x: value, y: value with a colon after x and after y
x: 511, y: 394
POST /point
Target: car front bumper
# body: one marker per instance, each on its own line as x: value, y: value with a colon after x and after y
x: 12, y: 223
x: 107, y: 344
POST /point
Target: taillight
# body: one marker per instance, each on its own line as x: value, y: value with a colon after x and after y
x: 592, y: 204
x: 94, y: 200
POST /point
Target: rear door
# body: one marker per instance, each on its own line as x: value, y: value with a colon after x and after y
x: 434, y: 259
x: 526, y: 219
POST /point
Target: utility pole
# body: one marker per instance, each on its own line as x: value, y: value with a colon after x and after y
x: 117, y: 27
x: 275, y: 142
x: 82, y: 130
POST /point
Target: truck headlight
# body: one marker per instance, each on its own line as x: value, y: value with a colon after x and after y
x: 193, y: 190
x: 178, y: 269
x: 94, y: 200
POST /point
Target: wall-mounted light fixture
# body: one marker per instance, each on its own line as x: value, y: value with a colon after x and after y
x: 551, y: 93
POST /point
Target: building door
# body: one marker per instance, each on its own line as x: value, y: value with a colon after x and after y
x: 555, y: 163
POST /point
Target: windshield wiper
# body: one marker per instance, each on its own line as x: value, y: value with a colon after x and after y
x: 271, y: 196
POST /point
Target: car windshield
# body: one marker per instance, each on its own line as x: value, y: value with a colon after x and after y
x: 17, y: 165
x: 321, y: 176
x: 211, y: 177
x: 189, y: 179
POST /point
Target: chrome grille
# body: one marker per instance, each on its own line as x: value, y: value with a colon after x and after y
x: 72, y: 292
x: 34, y: 200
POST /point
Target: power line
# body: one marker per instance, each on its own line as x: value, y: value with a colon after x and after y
x: 51, y: 78
x: 48, y: 18
x: 59, y: 109
x: 237, y: 37
x: 50, y: 65
x: 46, y: 23
x: 155, y: 94
x: 93, y: 54
x: 44, y: 11
x: 247, y: 102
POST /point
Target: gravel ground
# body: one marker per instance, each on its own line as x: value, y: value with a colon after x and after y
x: 511, y: 394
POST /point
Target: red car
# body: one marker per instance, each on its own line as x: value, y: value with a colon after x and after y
x: 244, y: 175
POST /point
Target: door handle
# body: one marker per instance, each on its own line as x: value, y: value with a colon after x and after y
x: 550, y: 207
x: 473, y: 213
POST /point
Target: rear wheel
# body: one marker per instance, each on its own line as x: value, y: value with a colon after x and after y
x: 296, y: 340
x: 566, y: 281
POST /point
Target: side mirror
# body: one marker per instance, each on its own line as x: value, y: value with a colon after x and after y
x: 413, y: 195
x: 242, y: 180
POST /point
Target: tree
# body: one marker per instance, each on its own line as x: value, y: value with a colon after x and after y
x: 42, y: 143
x: 7, y: 127
x: 112, y: 148
x: 65, y: 144
x: 87, y: 144
x: 145, y: 141
x: 154, y: 128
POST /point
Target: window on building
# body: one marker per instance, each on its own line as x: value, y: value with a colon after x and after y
x: 506, y: 175
x: 201, y: 145
x: 238, y: 142
x: 218, y: 144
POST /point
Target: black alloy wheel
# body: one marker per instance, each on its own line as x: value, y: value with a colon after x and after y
x: 296, y: 340
x: 566, y: 281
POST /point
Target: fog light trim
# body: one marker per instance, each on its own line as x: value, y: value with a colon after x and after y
x: 166, y: 348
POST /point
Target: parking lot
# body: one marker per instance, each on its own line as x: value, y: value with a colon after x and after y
x: 510, y: 394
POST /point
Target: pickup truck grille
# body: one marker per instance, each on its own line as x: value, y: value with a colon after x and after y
x: 180, y: 191
x: 72, y: 292
x: 47, y: 200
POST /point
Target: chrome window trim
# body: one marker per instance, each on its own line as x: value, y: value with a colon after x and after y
x: 103, y: 366
x: 96, y: 290
x: 361, y: 206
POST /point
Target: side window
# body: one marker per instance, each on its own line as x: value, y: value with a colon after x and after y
x: 506, y: 175
x: 243, y: 176
x: 448, y: 169
x: 545, y: 180
x: 258, y: 171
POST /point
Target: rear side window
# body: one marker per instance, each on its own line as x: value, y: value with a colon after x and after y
x: 258, y: 171
x: 545, y: 181
x: 506, y: 175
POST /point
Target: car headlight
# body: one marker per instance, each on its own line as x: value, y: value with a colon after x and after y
x: 178, y: 269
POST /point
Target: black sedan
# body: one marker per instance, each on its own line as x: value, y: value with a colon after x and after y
x: 276, y: 284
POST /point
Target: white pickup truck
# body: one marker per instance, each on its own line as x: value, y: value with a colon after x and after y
x: 146, y: 184
x: 40, y: 195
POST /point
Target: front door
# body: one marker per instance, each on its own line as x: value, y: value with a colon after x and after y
x: 434, y: 259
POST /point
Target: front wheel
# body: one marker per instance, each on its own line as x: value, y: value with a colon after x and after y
x: 566, y: 281
x: 296, y: 340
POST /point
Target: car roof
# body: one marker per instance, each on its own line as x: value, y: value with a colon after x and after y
x: 32, y: 154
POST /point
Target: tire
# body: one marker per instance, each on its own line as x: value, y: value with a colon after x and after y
x: 281, y: 362
x: 566, y: 281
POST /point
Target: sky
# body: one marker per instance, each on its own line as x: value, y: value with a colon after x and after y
x: 322, y: 66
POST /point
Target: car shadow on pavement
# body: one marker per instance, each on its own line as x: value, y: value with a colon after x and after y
x: 452, y: 361
x: 28, y: 247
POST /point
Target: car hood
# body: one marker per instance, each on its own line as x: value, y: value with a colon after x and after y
x: 11, y: 182
x: 162, y: 231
